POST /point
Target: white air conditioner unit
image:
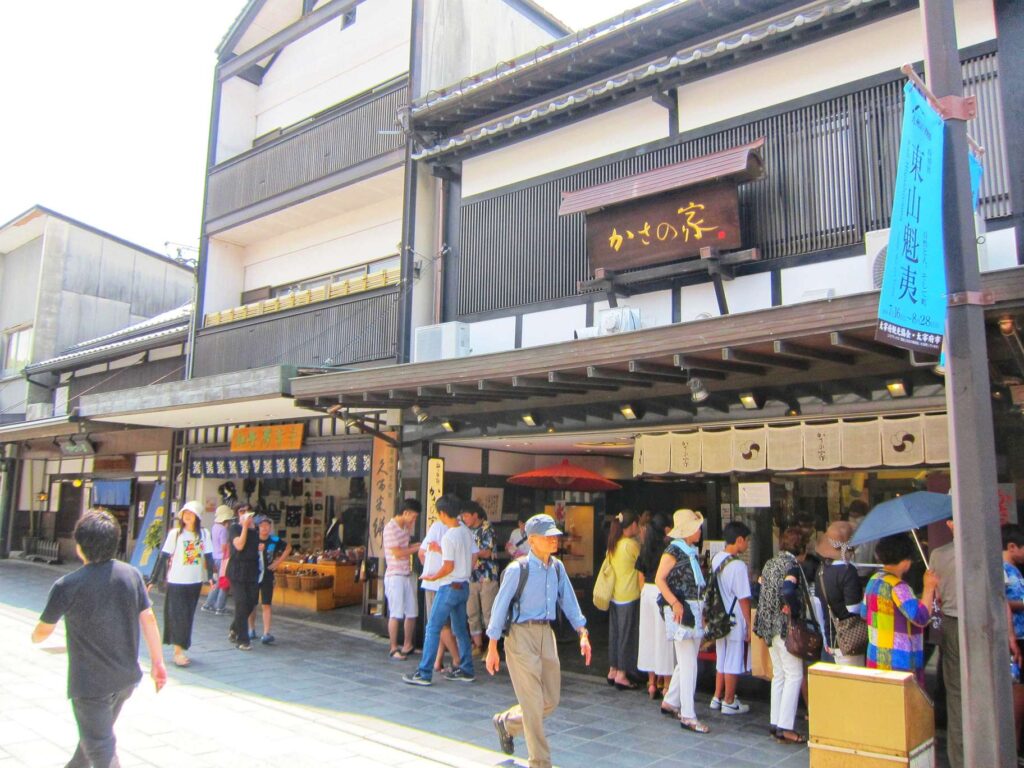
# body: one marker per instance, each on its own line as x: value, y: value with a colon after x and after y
x: 36, y: 411
x: 617, y: 320
x: 587, y: 332
x: 441, y: 342
x: 876, y: 244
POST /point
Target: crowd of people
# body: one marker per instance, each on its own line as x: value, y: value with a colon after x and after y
x: 812, y: 601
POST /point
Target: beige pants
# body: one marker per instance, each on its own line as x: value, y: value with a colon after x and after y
x: 481, y: 598
x: 532, y: 659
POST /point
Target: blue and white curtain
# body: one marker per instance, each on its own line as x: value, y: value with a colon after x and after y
x: 277, y: 465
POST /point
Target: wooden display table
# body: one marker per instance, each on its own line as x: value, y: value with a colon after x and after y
x: 346, y: 590
x: 868, y: 718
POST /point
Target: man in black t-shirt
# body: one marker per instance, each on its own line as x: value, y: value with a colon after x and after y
x: 104, y: 604
x: 244, y: 574
x: 273, y: 549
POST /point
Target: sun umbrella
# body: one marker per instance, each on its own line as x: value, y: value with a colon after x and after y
x: 902, y: 514
x: 564, y: 477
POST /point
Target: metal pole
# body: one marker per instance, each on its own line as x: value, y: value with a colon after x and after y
x: 984, y: 644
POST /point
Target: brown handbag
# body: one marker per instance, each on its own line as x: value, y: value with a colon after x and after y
x: 851, y: 633
x: 803, y: 638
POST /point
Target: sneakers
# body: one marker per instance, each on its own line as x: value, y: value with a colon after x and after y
x: 220, y: 611
x: 267, y: 639
x: 244, y: 646
x: 504, y: 737
x: 736, y: 708
x: 716, y: 703
x: 416, y: 678
x: 253, y: 635
x: 459, y: 676
x: 232, y: 636
x: 207, y: 608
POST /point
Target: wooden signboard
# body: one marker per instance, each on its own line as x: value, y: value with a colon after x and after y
x: 435, y: 488
x: 275, y: 437
x: 668, y: 227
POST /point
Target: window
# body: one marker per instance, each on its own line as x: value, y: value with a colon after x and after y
x: 18, y: 350
x: 391, y: 262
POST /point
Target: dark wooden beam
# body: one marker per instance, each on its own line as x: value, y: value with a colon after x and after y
x: 614, y: 375
x: 826, y: 355
x: 846, y: 341
x: 665, y: 373
x: 770, y: 361
x: 716, y: 403
x: 500, y: 388
x: 584, y: 382
x: 540, y: 384
x: 467, y: 392
x: 694, y: 363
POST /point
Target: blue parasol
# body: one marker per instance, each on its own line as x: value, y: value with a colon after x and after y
x: 902, y: 514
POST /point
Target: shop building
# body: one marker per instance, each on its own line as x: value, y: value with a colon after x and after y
x: 78, y: 309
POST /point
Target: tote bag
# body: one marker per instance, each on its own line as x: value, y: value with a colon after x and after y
x: 604, y: 585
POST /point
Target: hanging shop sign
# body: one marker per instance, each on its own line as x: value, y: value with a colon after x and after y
x: 435, y: 488
x: 383, y: 492
x: 325, y: 464
x: 273, y: 437
x: 667, y: 227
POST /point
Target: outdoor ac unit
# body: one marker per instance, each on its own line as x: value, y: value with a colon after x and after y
x: 617, y: 320
x: 36, y: 411
x: 440, y: 342
x: 876, y: 243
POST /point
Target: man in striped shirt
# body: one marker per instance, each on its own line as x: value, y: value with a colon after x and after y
x: 399, y: 588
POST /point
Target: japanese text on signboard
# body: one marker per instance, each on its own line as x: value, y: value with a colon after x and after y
x: 273, y: 437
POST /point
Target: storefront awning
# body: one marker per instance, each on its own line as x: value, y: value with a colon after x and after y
x: 58, y: 426
x: 258, y: 395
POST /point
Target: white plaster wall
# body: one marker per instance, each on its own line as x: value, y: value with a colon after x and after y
x: 505, y: 464
x: 697, y: 300
x: 236, y: 126
x: 19, y: 284
x: 655, y: 307
x: 456, y: 459
x: 425, y: 247
x: 843, y: 276
x: 604, y: 134
x: 749, y: 293
x: 224, y: 272
x: 464, y: 37
x: 552, y: 326
x: 330, y: 64
x: 878, y: 47
x: 999, y: 250
x: 353, y: 237
x: 498, y: 335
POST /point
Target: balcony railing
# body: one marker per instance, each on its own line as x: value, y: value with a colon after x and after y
x: 332, y: 332
x: 351, y: 134
x: 371, y: 282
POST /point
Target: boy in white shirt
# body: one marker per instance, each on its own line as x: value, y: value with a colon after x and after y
x: 731, y: 652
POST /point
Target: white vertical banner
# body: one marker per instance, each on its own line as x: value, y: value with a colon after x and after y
x: 686, y: 453
x: 652, y: 455
x: 786, y: 448
x: 862, y: 444
x: 749, y: 449
x: 716, y: 451
x: 903, y: 441
x: 823, y: 446
x: 936, y: 438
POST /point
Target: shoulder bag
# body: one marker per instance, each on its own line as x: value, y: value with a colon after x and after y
x: 850, y: 634
x: 803, y: 638
x: 604, y: 585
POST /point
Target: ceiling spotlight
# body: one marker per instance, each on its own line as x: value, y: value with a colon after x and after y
x: 349, y: 420
x: 528, y: 420
x: 793, y: 408
x: 551, y: 428
x: 447, y: 425
x: 629, y: 412
x: 697, y: 391
x: 752, y: 401
x: 898, y: 387
x: 1007, y: 325
x: 421, y: 413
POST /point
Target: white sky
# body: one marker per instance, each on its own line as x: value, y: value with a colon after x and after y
x: 106, y: 104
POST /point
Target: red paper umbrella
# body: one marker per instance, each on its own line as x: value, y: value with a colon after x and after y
x: 564, y: 477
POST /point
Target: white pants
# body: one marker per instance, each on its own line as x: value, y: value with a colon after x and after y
x: 684, y: 679
x: 787, y: 675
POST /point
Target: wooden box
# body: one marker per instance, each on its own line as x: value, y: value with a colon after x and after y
x: 862, y: 718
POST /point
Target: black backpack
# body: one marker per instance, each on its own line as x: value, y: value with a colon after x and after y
x: 523, y: 571
x: 718, y: 622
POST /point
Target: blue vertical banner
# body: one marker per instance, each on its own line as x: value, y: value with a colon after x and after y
x: 143, y: 557
x: 912, y: 305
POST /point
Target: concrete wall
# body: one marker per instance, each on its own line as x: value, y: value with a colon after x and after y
x: 224, y: 275
x: 463, y: 37
x: 237, y: 125
x: 19, y: 285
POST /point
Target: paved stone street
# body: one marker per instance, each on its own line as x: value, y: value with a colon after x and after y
x: 329, y: 695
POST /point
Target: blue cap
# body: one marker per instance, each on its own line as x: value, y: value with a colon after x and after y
x: 542, y: 525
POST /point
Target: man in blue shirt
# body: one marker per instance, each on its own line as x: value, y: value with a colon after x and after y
x: 530, y: 646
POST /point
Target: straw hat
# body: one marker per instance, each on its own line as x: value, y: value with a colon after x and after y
x: 685, y: 523
x: 223, y: 514
x: 834, y: 544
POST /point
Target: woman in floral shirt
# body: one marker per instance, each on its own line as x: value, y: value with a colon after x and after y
x: 896, y: 618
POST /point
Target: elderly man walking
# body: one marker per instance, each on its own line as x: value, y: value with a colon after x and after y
x: 530, y: 589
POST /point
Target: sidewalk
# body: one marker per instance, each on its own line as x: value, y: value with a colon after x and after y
x: 330, y: 695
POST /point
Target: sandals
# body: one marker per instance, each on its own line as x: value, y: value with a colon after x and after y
x: 654, y: 692
x: 625, y: 686
x: 407, y: 651
x: 693, y: 724
x: 397, y: 655
x: 789, y: 737
x: 182, y: 661
x: 669, y: 711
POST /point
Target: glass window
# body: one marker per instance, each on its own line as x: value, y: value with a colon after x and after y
x: 19, y: 350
